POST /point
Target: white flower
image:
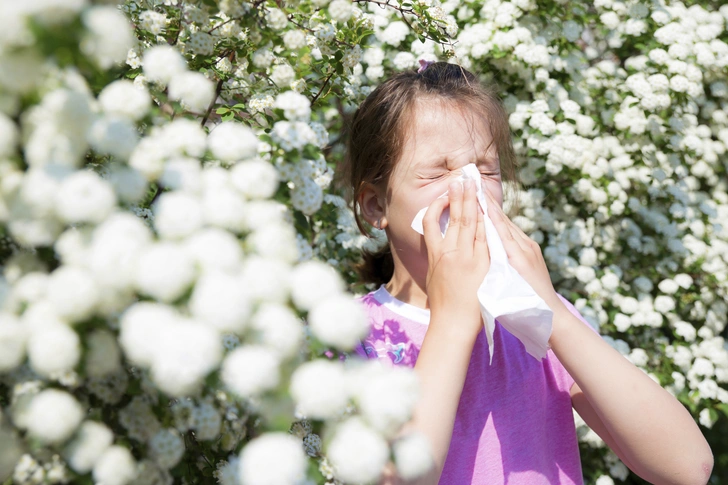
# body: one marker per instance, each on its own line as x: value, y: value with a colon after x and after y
x: 115, y: 467
x: 273, y: 459
x: 215, y: 249
x: 395, y: 33
x: 643, y: 284
x: 312, y: 282
x: 604, y: 480
x: 276, y: 241
x: 114, y: 248
x: 130, y: 184
x: 84, y: 197
x: 629, y: 305
x: 164, y: 270
x: 307, y: 196
x: 113, y: 135
x: 283, y: 75
x: 185, y: 354
x: 385, y: 396
x: 84, y: 451
x: 668, y: 286
x: 177, y: 215
x: 404, y: 60
x: 340, y: 10
x: 53, y: 416
x: 357, y: 453
x: 684, y: 280
x: 224, y: 207
x: 413, y: 455
x: 162, y: 63
x: 73, y: 293
x: 685, y: 330
x: 278, y: 328
x: 53, y: 348
x: 167, y: 448
x: 339, y: 321
x: 201, y: 43
x: 250, y: 370
x: 193, y: 89
x: 255, y: 179
x: 231, y: 142
x: 220, y: 300
x: 276, y: 18
x: 153, y: 21
x: 295, y: 106
x: 679, y: 83
x: 664, y: 304
x: 109, y: 35
x: 142, y: 326
x: 319, y: 389
x: 13, y: 336
x: 622, y: 322
x: 266, y: 278
x: 294, y: 39
x: 706, y: 419
x: 182, y: 173
x: 207, y: 421
x: 125, y: 99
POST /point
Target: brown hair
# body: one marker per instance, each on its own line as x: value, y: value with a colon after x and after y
x: 380, y: 125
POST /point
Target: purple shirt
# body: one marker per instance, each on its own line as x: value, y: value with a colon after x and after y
x: 514, y: 423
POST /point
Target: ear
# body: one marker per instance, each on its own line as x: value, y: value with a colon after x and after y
x: 370, y: 205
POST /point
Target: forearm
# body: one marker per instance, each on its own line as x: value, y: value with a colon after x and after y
x: 654, y: 432
x: 442, y: 365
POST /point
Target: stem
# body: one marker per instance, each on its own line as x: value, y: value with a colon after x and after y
x: 322, y: 87
x: 218, y: 90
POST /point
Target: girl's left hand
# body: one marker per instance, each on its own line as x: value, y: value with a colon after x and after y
x: 524, y: 254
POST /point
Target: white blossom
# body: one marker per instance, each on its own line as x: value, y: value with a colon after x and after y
x: 357, y: 453
x: 53, y: 415
x: 272, y: 459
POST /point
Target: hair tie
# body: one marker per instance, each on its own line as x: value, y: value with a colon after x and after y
x: 424, y: 64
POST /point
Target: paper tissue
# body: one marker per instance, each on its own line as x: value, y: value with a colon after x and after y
x: 504, y: 294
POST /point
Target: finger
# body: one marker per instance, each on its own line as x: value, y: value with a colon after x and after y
x: 511, y: 246
x: 431, y: 224
x: 517, y: 235
x: 480, y: 246
x: 468, y: 218
x: 455, y: 194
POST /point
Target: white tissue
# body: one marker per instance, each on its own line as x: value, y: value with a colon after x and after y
x: 504, y: 294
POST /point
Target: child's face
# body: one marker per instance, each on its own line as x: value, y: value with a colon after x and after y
x: 442, y: 140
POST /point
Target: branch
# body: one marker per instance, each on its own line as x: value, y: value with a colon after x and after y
x: 218, y: 90
x: 322, y: 87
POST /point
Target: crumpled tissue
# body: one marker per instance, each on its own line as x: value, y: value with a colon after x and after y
x: 504, y: 294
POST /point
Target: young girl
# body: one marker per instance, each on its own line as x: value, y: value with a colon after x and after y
x: 510, y: 421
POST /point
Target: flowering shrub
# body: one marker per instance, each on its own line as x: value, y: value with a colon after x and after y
x: 168, y: 220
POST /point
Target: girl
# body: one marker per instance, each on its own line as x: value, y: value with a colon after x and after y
x: 509, y: 422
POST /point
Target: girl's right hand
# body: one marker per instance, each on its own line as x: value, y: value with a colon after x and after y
x: 457, y: 263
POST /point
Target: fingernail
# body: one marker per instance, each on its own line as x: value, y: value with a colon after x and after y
x: 455, y: 186
x: 467, y: 184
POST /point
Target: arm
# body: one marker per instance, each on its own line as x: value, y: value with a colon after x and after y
x: 644, y: 425
x: 441, y: 367
x: 650, y: 431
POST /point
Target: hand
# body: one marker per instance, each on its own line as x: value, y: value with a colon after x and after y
x: 458, y: 262
x: 524, y: 254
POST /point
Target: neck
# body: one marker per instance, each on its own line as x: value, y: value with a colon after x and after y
x: 405, y: 288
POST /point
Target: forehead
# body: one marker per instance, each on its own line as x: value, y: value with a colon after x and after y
x: 443, y: 130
